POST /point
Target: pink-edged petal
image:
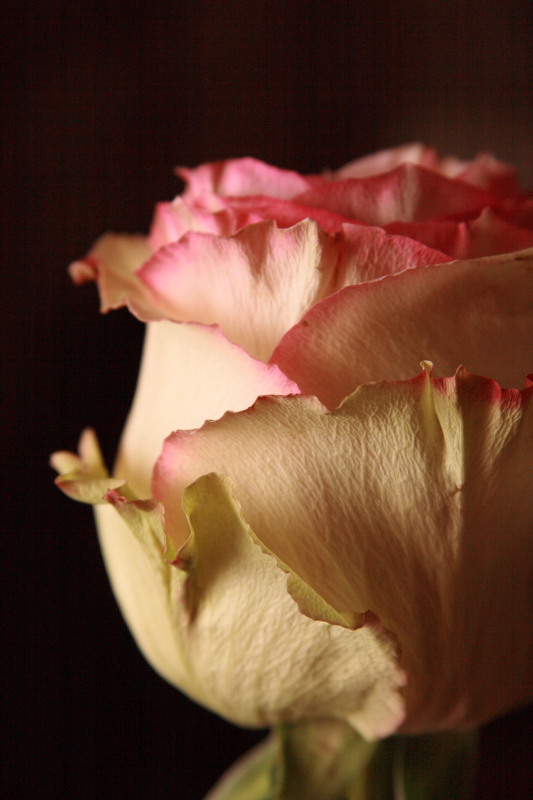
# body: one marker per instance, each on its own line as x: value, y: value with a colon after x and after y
x: 408, y: 193
x: 387, y: 160
x: 287, y: 213
x: 384, y: 505
x: 239, y: 177
x: 255, y: 285
x: 112, y: 263
x: 484, y: 171
x: 479, y: 313
x: 369, y: 253
x: 485, y: 236
x: 189, y: 373
x: 172, y: 220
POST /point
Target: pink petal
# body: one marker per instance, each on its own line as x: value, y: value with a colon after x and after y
x: 490, y: 174
x: 485, y: 236
x: 479, y: 313
x: 239, y: 177
x: 287, y: 213
x: 408, y: 193
x: 260, y: 281
x: 387, y: 160
x: 172, y: 220
x: 369, y: 253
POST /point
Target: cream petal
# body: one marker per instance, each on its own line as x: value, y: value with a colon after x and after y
x: 381, y: 506
x: 224, y: 629
x: 478, y: 313
x: 189, y: 373
x: 112, y: 262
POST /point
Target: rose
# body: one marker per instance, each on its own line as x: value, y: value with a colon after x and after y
x: 359, y: 553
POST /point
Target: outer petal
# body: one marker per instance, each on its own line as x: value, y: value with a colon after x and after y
x: 478, y: 312
x: 227, y: 633
x: 262, y: 280
x: 382, y: 506
x: 408, y: 193
x: 112, y: 262
x: 189, y: 373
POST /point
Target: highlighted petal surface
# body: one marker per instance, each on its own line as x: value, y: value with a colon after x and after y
x: 381, y: 506
x: 189, y: 373
x: 479, y: 313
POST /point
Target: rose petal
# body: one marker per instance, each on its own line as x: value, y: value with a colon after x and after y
x: 285, y: 212
x: 490, y: 174
x: 369, y: 253
x: 239, y: 177
x: 185, y: 624
x: 261, y: 281
x: 189, y: 373
x: 408, y: 193
x: 387, y: 160
x: 172, y: 220
x: 383, y: 505
x: 112, y: 262
x: 485, y: 236
x: 84, y: 477
x: 477, y: 312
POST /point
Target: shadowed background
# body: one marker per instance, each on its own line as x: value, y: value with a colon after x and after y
x: 100, y: 102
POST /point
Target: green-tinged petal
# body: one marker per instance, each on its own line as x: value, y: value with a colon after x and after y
x: 255, y: 776
x: 84, y: 477
x: 267, y: 661
x: 317, y: 760
x: 412, y: 501
x: 206, y: 627
x: 326, y: 760
x: 321, y: 760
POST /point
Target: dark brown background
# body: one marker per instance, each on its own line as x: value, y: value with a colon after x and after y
x: 100, y: 102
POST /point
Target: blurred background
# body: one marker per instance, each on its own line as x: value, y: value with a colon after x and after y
x: 100, y: 102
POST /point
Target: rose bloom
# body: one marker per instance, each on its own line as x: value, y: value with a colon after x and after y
x: 301, y: 522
